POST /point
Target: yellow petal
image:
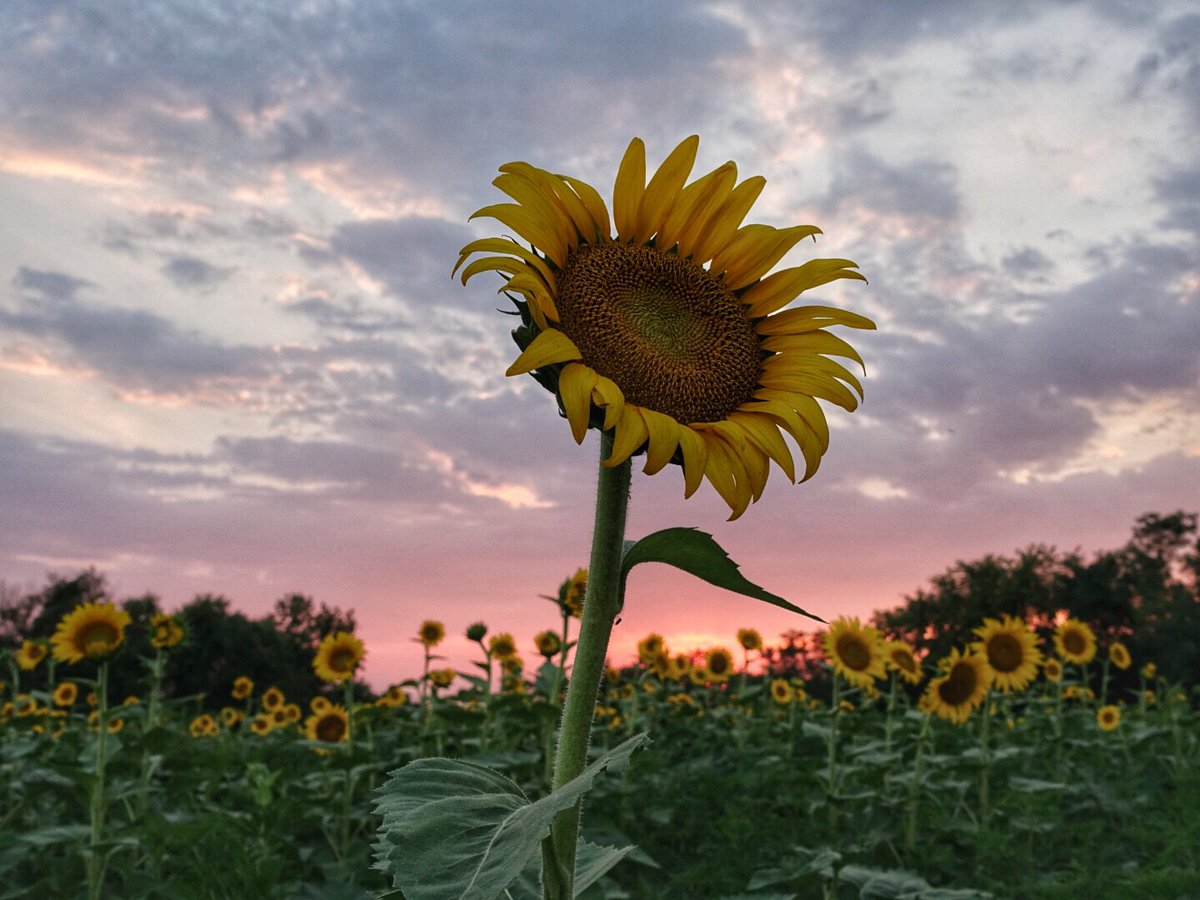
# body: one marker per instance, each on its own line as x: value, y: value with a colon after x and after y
x: 557, y: 192
x: 529, y: 226
x: 575, y: 383
x: 547, y: 348
x: 593, y: 201
x: 812, y: 342
x: 726, y: 473
x: 526, y: 191
x: 764, y: 433
x: 780, y: 288
x: 748, y: 259
x: 664, y: 187
x: 609, y: 398
x: 725, y: 221
x: 628, y: 190
x: 697, y: 203
x: 541, y: 303
x: 808, y: 442
x: 664, y: 439
x: 695, y: 459
x: 503, y: 245
x: 809, y: 318
x: 630, y: 434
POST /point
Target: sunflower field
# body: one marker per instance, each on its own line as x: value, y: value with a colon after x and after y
x: 1040, y: 762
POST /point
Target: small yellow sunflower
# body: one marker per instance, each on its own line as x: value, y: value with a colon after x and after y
x: 1053, y: 670
x: 650, y: 645
x: 261, y: 725
x: 395, y: 696
x: 273, y: 699
x: 1011, y: 651
x: 338, y: 655
x: 1075, y: 642
x: 669, y: 333
x: 242, y: 688
x: 66, y: 694
x: 1108, y: 717
x: 698, y: 675
x: 1150, y: 671
x: 166, y: 631
x: 957, y: 693
x: 662, y: 665
x: 292, y: 712
x: 1118, y: 655
x: 442, y: 677
x: 782, y: 692
x: 319, y: 704
x: 572, y: 592
x: 90, y: 631
x: 203, y: 726
x: 719, y: 664
x: 502, y: 646
x: 30, y: 653
x: 750, y: 639
x: 899, y: 657
x: 332, y: 726
x: 431, y: 633
x: 230, y: 716
x: 855, y: 651
x: 115, y: 725
x: 547, y: 642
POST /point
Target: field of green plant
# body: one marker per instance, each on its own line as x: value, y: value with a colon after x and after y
x: 867, y: 776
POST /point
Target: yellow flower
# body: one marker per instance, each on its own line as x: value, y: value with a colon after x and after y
x: 669, y: 333
x: 572, y: 592
x: 854, y: 650
x: 66, y: 693
x: 502, y: 646
x: 782, y: 692
x: 1011, y: 651
x: 230, y: 716
x: 90, y: 631
x: 1052, y: 670
x: 1149, y: 670
x: 1075, y: 642
x: 338, y: 656
x: 548, y: 643
x: 650, y: 645
x: 1119, y: 656
x: 957, y: 693
x: 750, y: 639
x: 273, y: 699
x: 1108, y: 717
x: 719, y: 663
x: 115, y: 725
x: 431, y: 632
x: 261, y: 725
x: 442, y: 677
x: 698, y: 675
x: 30, y: 653
x: 899, y: 657
x: 332, y: 725
x: 394, y: 697
x: 319, y: 704
x: 242, y: 688
x: 203, y: 726
x: 166, y: 631
x: 292, y: 711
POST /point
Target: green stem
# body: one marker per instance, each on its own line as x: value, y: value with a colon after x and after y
x: 835, y: 708
x: 599, y: 611
x: 985, y: 767
x: 914, y: 787
x: 95, y: 859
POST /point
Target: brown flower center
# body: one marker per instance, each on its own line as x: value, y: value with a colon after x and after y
x: 1073, y: 642
x: 673, y: 338
x: 854, y: 653
x: 960, y: 684
x: 1005, y: 653
x: 98, y: 638
x: 342, y: 660
x: 904, y: 660
x: 330, y: 728
x: 719, y: 664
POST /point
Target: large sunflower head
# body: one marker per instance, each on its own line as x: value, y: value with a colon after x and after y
x: 30, y: 653
x: 331, y: 726
x: 1075, y: 642
x: 1011, y: 652
x: 855, y: 651
x: 671, y: 332
x: 338, y: 655
x: 90, y: 631
x: 962, y: 688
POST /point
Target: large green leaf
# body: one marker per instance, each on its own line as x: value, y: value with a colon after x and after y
x: 698, y: 553
x: 454, y: 830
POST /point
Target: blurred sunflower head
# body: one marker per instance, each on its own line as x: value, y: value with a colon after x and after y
x: 782, y: 691
x: 165, y: 631
x: 319, y: 704
x: 431, y: 633
x: 203, y: 726
x: 273, y: 699
x: 476, y: 632
x: 1108, y: 717
x: 854, y: 650
x: 1118, y: 655
x: 242, y: 688
x: 547, y: 642
x: 293, y: 712
x: 261, y: 725
x: 650, y: 645
x: 115, y: 725
x: 899, y: 657
x: 719, y: 663
x: 1011, y: 652
x: 331, y: 725
x: 662, y: 665
x: 571, y: 592
x: 1075, y: 642
x: 957, y: 693
x: 66, y: 693
x: 1149, y: 671
x: 230, y: 716
x: 1053, y: 670
x: 502, y: 646
x: 670, y: 333
x: 30, y: 653
x: 442, y: 678
x: 750, y: 639
x: 90, y: 631
x: 698, y: 675
x: 338, y: 655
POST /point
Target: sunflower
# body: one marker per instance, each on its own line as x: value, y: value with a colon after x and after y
x: 261, y: 725
x: 292, y: 712
x: 1149, y: 671
x: 115, y: 725
x: 30, y: 653
x: 1118, y: 655
x: 442, y: 677
x: 1075, y: 642
x: 669, y: 333
x: 319, y: 704
x: 230, y: 716
x: 203, y: 726
x: 273, y: 699
x: 1011, y: 651
x: 66, y: 694
x: 1108, y: 717
x: 650, y: 645
x: 430, y: 633
x: 476, y: 632
x: 548, y: 643
x: 90, y: 631
x: 750, y: 639
x: 957, y: 693
x: 782, y: 692
x: 242, y: 688
x: 855, y: 651
x: 1053, y: 670
x: 331, y: 726
x: 572, y: 591
x: 698, y: 675
x: 165, y: 631
x: 502, y: 646
x: 338, y: 656
x: 719, y: 663
x: 898, y: 656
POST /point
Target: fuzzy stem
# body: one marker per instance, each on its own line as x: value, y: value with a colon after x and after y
x: 599, y: 611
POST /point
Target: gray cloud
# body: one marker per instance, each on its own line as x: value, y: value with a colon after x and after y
x: 193, y: 272
x: 49, y: 285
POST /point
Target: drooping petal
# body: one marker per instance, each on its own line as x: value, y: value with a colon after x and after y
x: 529, y: 226
x: 593, y: 201
x: 664, y: 439
x: 630, y: 434
x: 809, y: 318
x: 547, y: 348
x: 779, y: 289
x: 575, y: 383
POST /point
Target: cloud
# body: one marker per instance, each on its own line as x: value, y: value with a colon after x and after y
x: 49, y: 285
x: 192, y: 272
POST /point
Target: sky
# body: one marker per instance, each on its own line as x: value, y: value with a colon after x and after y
x: 233, y: 359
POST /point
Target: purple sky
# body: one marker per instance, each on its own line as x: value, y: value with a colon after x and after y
x: 232, y: 358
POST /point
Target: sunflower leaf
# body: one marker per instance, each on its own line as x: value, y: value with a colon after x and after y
x: 454, y: 830
x: 698, y: 553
